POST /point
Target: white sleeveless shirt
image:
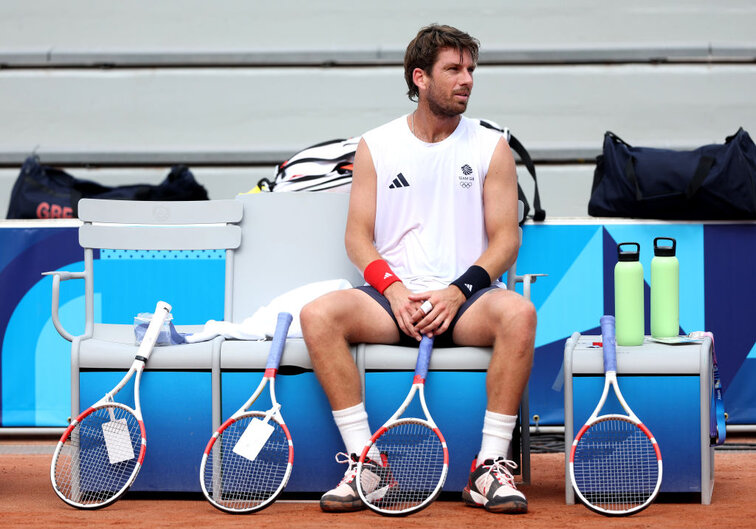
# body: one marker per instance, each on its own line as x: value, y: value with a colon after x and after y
x: 429, y: 223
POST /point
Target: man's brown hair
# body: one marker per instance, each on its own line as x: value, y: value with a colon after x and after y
x: 424, y: 48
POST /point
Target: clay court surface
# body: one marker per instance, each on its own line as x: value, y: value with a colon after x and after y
x: 27, y: 500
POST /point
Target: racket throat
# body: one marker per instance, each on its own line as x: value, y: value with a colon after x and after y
x: 271, y: 412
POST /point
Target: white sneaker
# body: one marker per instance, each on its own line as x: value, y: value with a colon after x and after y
x: 492, y: 486
x: 345, y: 498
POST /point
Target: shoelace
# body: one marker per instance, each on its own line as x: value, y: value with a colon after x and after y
x: 499, y: 468
x: 351, y: 473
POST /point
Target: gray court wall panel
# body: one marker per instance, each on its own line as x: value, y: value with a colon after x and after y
x: 534, y: 54
x: 564, y: 189
x: 245, y: 115
x: 7, y: 179
x: 146, y: 28
x: 152, y: 111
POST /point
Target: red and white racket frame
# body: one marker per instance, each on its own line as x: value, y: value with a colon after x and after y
x: 610, y: 381
x: 418, y: 387
x: 274, y: 413
x: 162, y: 310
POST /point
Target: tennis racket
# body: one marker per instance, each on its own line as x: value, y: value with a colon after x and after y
x: 248, y: 460
x: 413, y: 453
x: 615, y: 462
x: 100, y: 453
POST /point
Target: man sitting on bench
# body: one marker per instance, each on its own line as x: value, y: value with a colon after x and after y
x: 432, y: 224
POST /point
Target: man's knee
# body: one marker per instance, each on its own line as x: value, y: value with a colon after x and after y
x: 328, y: 315
x: 308, y: 314
x: 526, y: 315
x: 518, y: 321
x: 313, y: 316
x: 510, y: 306
x: 317, y: 329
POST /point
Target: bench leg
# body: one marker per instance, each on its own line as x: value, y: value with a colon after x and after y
x: 525, y: 436
x: 215, y: 382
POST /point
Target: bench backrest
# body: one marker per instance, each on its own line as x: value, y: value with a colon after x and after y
x: 146, y: 225
x: 156, y: 225
x: 289, y: 240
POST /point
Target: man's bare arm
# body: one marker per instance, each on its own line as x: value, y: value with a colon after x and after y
x: 361, y: 217
x: 500, y: 212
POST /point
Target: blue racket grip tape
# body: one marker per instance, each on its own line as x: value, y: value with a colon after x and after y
x: 423, y: 357
x: 609, y: 343
x: 279, y: 340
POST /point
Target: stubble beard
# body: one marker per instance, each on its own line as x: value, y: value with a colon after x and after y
x: 442, y: 109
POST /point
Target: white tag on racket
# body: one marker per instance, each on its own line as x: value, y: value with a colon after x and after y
x: 253, y: 439
x: 118, y: 441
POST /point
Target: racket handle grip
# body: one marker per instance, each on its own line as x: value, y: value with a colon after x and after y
x: 162, y: 309
x: 423, y: 357
x: 279, y: 340
x: 609, y: 343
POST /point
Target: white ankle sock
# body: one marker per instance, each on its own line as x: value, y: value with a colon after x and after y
x: 497, y: 434
x: 355, y: 430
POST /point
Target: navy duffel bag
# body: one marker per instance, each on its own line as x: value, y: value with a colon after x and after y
x: 713, y: 182
x: 45, y: 192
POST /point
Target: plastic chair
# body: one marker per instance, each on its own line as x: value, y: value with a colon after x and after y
x: 140, y: 225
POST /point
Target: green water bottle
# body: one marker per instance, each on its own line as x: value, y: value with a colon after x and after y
x: 665, y: 290
x: 628, y: 295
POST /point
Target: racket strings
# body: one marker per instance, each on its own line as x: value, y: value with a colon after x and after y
x: 415, y: 467
x: 615, y: 466
x: 97, y: 460
x: 238, y: 483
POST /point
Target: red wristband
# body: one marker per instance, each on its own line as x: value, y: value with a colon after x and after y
x: 379, y: 275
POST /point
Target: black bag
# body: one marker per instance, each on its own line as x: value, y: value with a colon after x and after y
x: 44, y: 192
x: 709, y: 183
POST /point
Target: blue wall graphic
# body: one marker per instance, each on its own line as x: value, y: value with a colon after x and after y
x: 27, y: 252
x: 35, y: 367
x: 717, y: 293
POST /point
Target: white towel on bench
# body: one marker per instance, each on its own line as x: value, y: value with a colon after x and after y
x: 262, y: 323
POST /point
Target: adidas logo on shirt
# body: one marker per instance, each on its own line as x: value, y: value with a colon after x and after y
x: 399, y: 182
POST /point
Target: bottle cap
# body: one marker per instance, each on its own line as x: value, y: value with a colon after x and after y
x: 628, y: 255
x: 664, y: 251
